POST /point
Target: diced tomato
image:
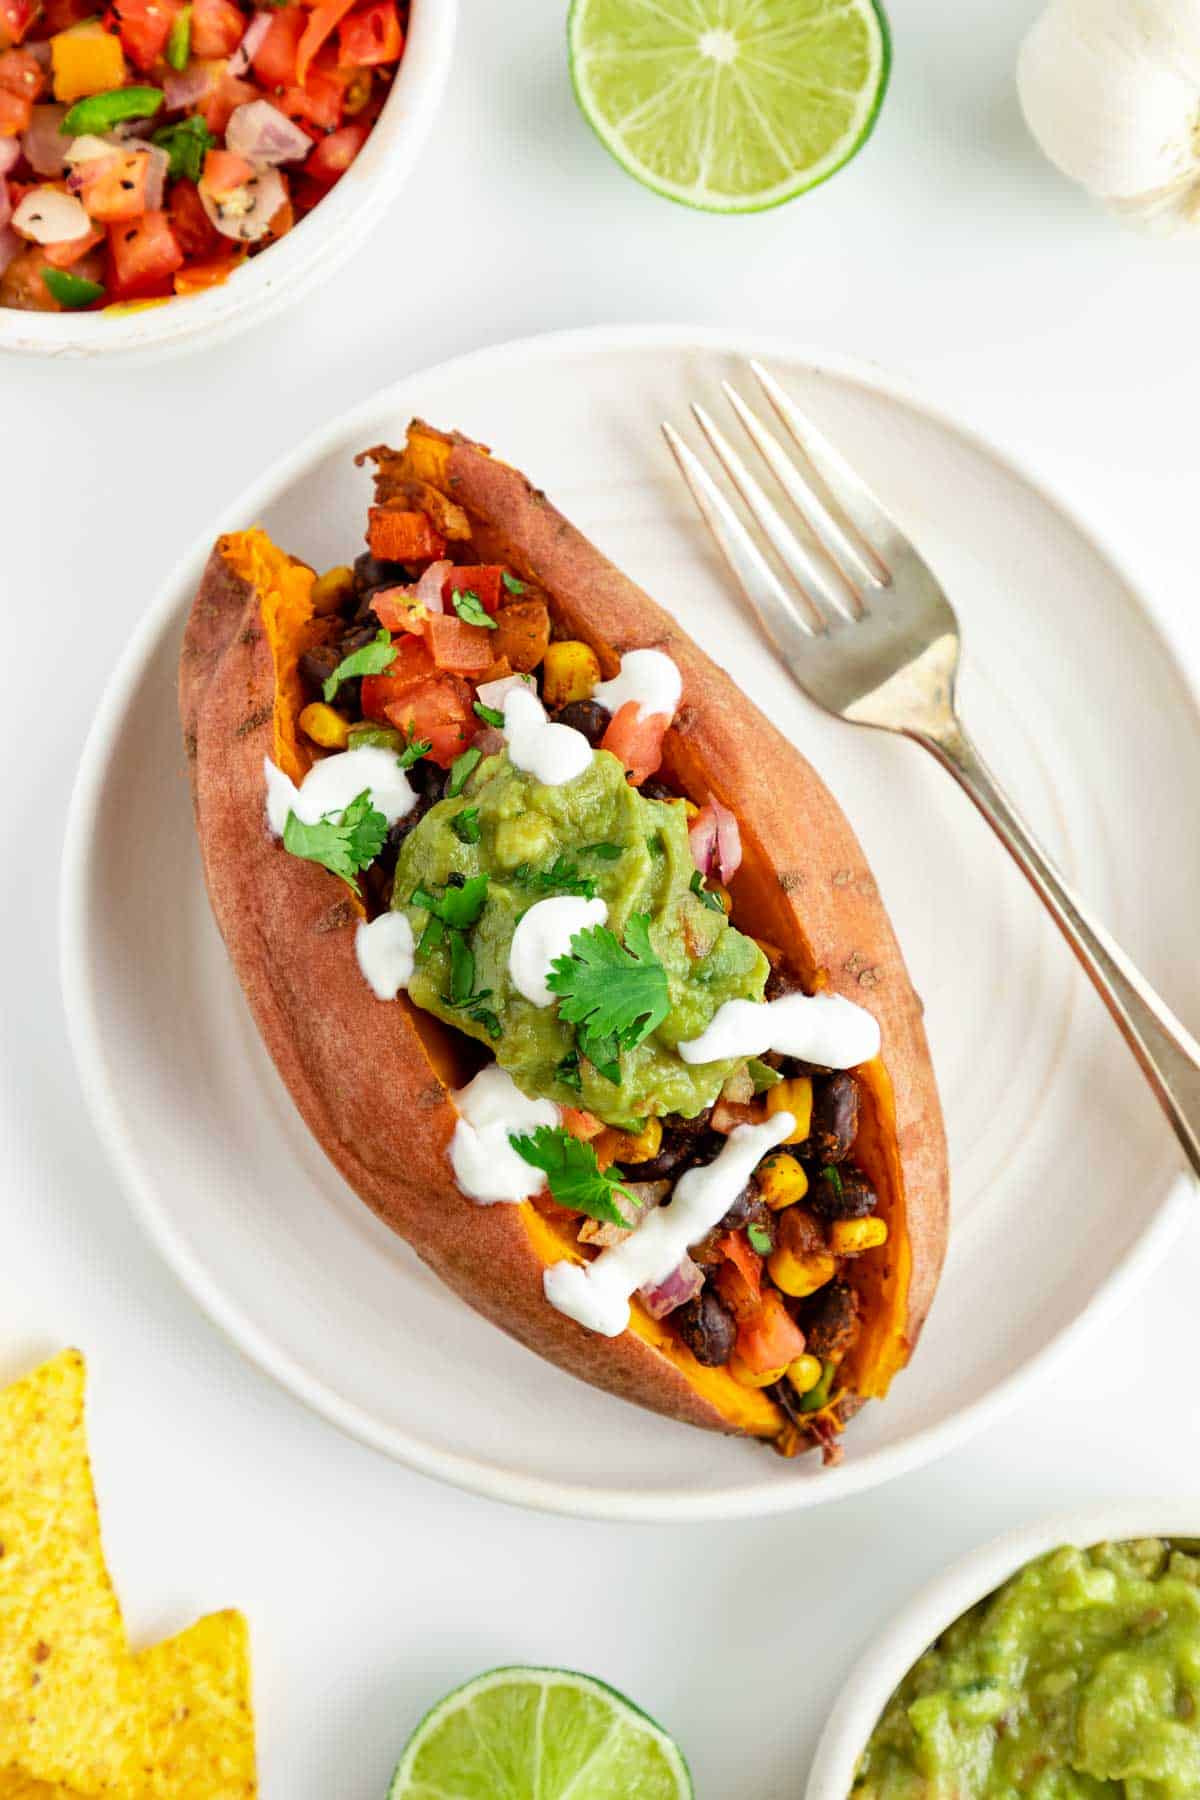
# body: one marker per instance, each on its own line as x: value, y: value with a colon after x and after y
x: 483, y: 579
x: 412, y: 663
x: 581, y: 1124
x: 218, y: 104
x: 274, y: 61
x: 224, y: 173
x: 72, y: 250
x: 144, y: 27
x: 771, y: 1339
x: 195, y: 232
x: 114, y: 187
x: 399, y: 610
x: 318, y: 104
x: 334, y: 154
x: 194, y: 277
x: 728, y: 1114
x: 440, y: 710
x: 371, y: 35
x: 21, y: 73
x: 16, y: 16
x: 15, y: 113
x: 144, y: 256
x: 322, y: 20
x: 735, y: 1248
x: 464, y: 649
x: 637, y: 742
x: 741, y: 1295
x: 21, y: 285
x: 218, y: 27
x: 60, y: 15
x: 395, y: 536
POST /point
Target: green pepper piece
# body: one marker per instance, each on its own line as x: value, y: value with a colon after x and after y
x: 179, y: 43
x: 98, y: 113
x: 818, y: 1396
x: 185, y: 143
x: 70, y: 290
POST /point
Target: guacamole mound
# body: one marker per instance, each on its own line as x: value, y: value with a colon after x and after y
x: 531, y: 841
x: 1079, y: 1677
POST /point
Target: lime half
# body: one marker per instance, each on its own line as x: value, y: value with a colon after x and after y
x: 730, y: 105
x: 539, y: 1734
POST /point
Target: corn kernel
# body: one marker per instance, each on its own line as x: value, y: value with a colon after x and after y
x: 850, y: 1237
x: 629, y: 1146
x: 781, y: 1181
x: 795, y: 1097
x: 800, y: 1275
x: 570, y: 671
x: 804, y: 1373
x: 324, y: 726
x: 331, y: 589
x: 745, y: 1376
x: 690, y: 809
x: 86, y: 59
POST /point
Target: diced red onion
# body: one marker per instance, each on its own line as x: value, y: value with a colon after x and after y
x: 10, y: 246
x: 716, y: 840
x: 44, y: 145
x: 494, y: 693
x: 246, y: 214
x: 40, y: 51
x: 429, y: 588
x: 10, y: 154
x: 156, y: 177
x: 49, y: 216
x: 739, y: 1089
x: 727, y: 1115
x: 241, y: 59
x: 260, y: 132
x: 182, y: 88
x: 681, y: 1285
x: 702, y: 836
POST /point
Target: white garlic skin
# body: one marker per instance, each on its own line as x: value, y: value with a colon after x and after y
x: 1111, y: 91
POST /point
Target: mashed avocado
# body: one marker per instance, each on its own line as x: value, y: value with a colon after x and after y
x: 1079, y: 1677
x: 593, y: 834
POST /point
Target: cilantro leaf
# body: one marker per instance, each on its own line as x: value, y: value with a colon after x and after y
x: 511, y: 583
x: 458, y: 907
x: 462, y: 969
x: 573, y: 1175
x: 701, y: 892
x: 460, y: 769
x: 567, y: 1071
x: 372, y: 659
x: 606, y: 852
x: 610, y: 988
x: 604, y: 1053
x: 185, y: 143
x: 342, y: 845
x: 465, y: 825
x: 432, y: 938
x: 490, y: 715
x: 560, y: 877
x: 413, y: 751
x: 471, y: 610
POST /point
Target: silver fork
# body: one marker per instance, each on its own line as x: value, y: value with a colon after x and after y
x: 868, y: 633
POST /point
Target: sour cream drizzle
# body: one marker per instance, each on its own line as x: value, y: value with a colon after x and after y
x: 597, y: 1294
x: 384, y: 948
x: 553, y: 753
x: 334, y: 782
x: 542, y: 936
x: 486, y: 1167
x: 818, y: 1028
x: 647, y: 676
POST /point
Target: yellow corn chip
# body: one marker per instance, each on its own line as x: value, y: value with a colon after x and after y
x: 69, y: 1705
x: 201, y: 1728
x: 16, y: 1785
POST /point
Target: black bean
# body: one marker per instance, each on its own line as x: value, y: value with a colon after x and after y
x: 781, y: 981
x: 834, y: 1118
x: 656, y: 790
x: 428, y: 779
x: 316, y: 666
x: 841, y: 1193
x: 707, y: 1328
x: 398, y: 831
x: 369, y: 572
x: 828, y: 1320
x: 587, y: 716
x: 747, y: 1209
x: 358, y: 637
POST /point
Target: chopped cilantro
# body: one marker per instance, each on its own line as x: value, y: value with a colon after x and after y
x: 458, y: 907
x: 462, y: 969
x: 465, y: 825
x: 460, y: 769
x: 432, y: 938
x: 185, y: 143
x: 573, y: 1174
x: 762, y: 1075
x: 701, y: 892
x: 511, y: 583
x: 413, y: 751
x: 343, y: 843
x: 606, y: 852
x: 372, y: 659
x: 471, y: 610
x: 560, y: 877
x: 603, y: 1052
x: 490, y: 715
x: 610, y: 989
x: 567, y: 1071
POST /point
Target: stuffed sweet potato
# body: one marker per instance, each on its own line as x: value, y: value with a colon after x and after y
x: 568, y: 959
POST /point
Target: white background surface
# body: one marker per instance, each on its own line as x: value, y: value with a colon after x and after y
x: 947, y: 250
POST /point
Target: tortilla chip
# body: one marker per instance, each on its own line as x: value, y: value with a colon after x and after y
x: 197, y: 1691
x: 15, y: 1784
x: 69, y: 1703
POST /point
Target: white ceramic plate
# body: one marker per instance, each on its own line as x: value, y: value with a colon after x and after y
x: 1064, y: 1175
x: 870, y: 1684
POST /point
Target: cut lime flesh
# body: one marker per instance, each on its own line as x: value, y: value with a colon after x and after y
x: 730, y: 105
x: 539, y: 1734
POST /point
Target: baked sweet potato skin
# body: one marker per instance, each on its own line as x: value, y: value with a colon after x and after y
x: 288, y: 926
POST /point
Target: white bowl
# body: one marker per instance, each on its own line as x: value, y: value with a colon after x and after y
x: 283, y: 274
x: 875, y: 1676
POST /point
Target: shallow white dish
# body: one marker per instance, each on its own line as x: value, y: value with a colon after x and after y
x: 871, y: 1682
x: 1065, y: 1178
x: 289, y: 269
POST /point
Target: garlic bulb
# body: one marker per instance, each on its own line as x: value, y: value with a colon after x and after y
x: 1111, y: 91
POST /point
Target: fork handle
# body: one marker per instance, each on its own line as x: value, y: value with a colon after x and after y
x: 1168, y: 1054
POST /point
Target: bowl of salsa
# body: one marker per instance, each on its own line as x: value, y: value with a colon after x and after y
x: 172, y: 170
x: 1062, y: 1660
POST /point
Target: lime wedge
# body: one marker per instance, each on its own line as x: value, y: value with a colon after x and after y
x: 539, y: 1734
x: 730, y: 105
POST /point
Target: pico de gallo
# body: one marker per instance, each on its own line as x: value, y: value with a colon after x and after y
x: 148, y: 149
